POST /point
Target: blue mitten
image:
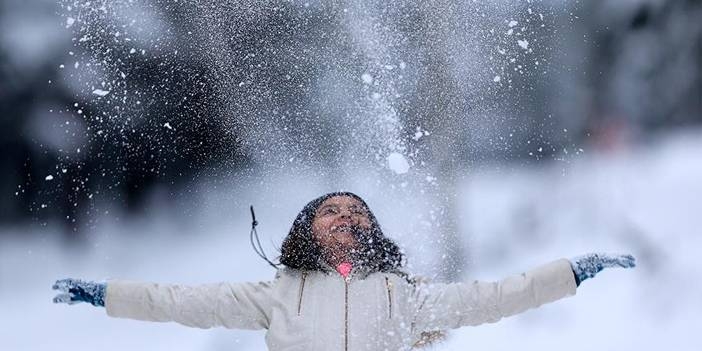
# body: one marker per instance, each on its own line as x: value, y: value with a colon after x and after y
x: 587, y: 266
x: 76, y: 290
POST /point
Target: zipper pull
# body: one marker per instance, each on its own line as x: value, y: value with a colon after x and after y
x: 301, y: 292
x: 388, y: 284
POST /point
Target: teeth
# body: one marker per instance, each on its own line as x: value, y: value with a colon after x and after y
x: 342, y: 228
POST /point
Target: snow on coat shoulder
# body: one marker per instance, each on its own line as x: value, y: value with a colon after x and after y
x: 322, y: 311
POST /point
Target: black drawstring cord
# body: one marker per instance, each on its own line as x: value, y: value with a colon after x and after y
x: 258, y: 248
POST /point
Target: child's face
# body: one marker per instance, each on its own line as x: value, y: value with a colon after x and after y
x: 335, y: 220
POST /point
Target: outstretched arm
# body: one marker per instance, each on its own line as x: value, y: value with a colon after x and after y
x: 241, y: 306
x: 447, y: 306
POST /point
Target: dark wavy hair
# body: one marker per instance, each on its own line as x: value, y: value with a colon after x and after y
x: 301, y: 251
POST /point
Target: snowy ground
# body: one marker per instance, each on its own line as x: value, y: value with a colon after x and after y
x: 643, y: 200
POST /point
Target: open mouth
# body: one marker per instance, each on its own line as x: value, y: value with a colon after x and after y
x: 344, y: 228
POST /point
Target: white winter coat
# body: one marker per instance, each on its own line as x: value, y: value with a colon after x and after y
x: 323, y: 311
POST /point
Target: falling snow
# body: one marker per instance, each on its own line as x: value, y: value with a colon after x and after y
x: 388, y: 97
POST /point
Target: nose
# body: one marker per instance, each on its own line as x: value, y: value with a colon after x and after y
x: 344, y: 213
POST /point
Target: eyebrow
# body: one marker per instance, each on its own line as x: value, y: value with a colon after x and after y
x: 361, y: 207
x: 328, y: 205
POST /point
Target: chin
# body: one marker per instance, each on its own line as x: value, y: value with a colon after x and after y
x: 350, y: 243
x: 347, y: 243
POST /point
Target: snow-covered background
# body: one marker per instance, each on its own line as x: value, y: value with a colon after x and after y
x: 487, y: 136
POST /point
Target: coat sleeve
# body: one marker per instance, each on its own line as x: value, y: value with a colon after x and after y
x: 448, y: 306
x: 229, y: 305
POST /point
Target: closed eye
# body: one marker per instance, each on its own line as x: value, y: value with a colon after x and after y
x: 357, y: 210
x: 326, y: 210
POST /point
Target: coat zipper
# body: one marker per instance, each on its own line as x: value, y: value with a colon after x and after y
x: 302, y: 289
x: 388, y: 284
x: 346, y: 315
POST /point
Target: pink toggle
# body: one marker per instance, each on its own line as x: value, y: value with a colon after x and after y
x: 344, y: 269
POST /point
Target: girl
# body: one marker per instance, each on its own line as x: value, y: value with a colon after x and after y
x: 341, y: 287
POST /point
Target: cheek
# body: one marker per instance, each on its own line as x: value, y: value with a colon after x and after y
x: 319, y: 228
x: 315, y: 232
